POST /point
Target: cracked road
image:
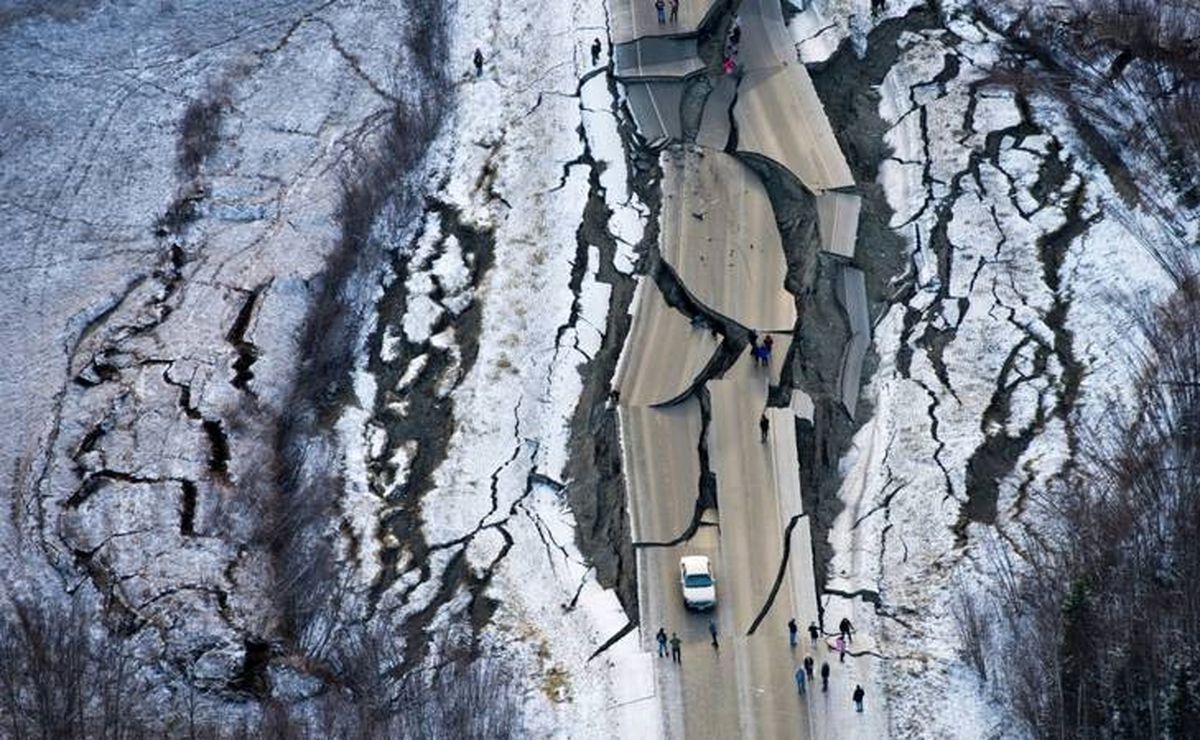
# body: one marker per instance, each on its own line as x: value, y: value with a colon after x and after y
x: 674, y: 454
x: 701, y: 478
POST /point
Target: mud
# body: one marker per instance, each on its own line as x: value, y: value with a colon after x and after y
x: 847, y: 86
x: 596, y: 492
x: 428, y: 419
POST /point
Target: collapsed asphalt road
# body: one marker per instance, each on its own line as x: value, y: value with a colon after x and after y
x: 701, y: 478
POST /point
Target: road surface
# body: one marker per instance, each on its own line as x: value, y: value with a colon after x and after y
x: 719, y: 234
x: 656, y: 59
x: 778, y: 113
x: 636, y: 19
x: 660, y: 332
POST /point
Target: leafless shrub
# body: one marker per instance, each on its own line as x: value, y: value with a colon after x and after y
x: 1102, y: 633
x: 973, y: 631
x: 62, y: 677
x: 300, y: 516
x: 1125, y: 69
x: 200, y: 132
x: 42, y: 656
x: 375, y: 698
x: 1179, y: 116
x: 1156, y: 30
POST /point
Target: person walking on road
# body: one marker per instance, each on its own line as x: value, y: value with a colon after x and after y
x: 478, y: 62
x: 858, y: 697
x: 824, y: 676
x: 596, y: 52
x: 808, y: 666
x: 661, y: 7
x: 840, y: 644
x: 801, y: 678
x: 792, y: 630
x: 813, y: 633
x: 675, y: 643
x: 762, y: 352
x: 674, y: 11
x: 764, y: 426
x: 712, y: 630
x: 662, y: 642
x: 845, y: 629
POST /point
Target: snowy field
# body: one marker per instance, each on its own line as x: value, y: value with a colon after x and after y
x: 174, y: 174
x: 173, y: 190
x: 1008, y: 343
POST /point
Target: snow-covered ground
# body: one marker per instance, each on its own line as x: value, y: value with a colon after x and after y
x: 1008, y: 345
x: 155, y: 290
x: 171, y: 175
x: 514, y: 169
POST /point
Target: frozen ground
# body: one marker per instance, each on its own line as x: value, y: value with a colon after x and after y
x: 532, y: 139
x: 173, y: 177
x: 171, y: 180
x: 1004, y: 343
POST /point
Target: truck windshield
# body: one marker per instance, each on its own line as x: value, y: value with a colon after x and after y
x: 699, y: 580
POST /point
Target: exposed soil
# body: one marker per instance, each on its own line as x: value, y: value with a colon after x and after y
x: 847, y: 86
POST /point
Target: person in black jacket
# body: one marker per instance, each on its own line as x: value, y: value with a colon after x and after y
x: 858, y: 698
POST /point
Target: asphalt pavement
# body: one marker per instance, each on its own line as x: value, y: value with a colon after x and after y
x: 638, y: 19
x: 660, y: 334
x: 719, y: 234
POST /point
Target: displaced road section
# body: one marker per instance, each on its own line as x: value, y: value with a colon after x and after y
x: 705, y: 474
x: 639, y: 19
x: 674, y: 455
x: 668, y: 337
x: 719, y: 234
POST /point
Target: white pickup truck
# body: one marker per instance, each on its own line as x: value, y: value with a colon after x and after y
x: 696, y: 579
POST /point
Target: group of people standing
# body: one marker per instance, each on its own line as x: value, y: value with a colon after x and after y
x: 661, y: 8
x: 732, y: 40
x: 675, y: 643
x: 761, y: 352
x: 805, y: 671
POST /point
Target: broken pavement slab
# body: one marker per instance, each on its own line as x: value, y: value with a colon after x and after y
x: 635, y: 19
x: 805, y: 145
x: 720, y: 237
x: 664, y: 352
x: 655, y: 107
x: 656, y: 59
x: 661, y: 463
x: 716, y: 122
x: 801, y: 405
x: 852, y: 294
x: 837, y: 220
x: 766, y: 43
